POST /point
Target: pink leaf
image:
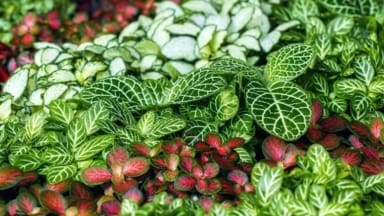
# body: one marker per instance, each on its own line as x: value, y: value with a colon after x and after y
x: 173, y: 161
x: 317, y: 112
x: 12, y: 208
x: 171, y: 148
x: 9, y: 177
x: 117, y: 156
x: 184, y: 183
x: 26, y: 202
x: 197, y: 171
x: 206, y: 203
x: 370, y: 153
x: 96, y: 175
x: 211, y: 170
x: 141, y: 149
x: 375, y: 128
x: 235, y: 142
x: 187, y: 151
x: 53, y: 201
x: 202, y: 146
x: 28, y: 178
x: 208, y: 187
x: 135, y: 195
x: 159, y: 162
x: 187, y: 163
x: 125, y: 186
x: 238, y: 177
x: 355, y: 142
x: 213, y: 140
x: 274, y: 148
x: 60, y: 187
x: 333, y: 124
x: 372, y: 166
x: 223, y: 150
x: 348, y: 156
x: 111, y: 208
x: 291, y: 156
x: 136, y: 166
x: 81, y: 192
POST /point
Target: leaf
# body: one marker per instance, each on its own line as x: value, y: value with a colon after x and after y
x: 257, y: 171
x: 377, y: 85
x: 317, y: 196
x: 211, y: 170
x: 76, y: 134
x: 17, y: 83
x: 340, y: 25
x: 136, y: 166
x: 274, y: 148
x: 28, y: 162
x: 304, y: 9
x: 146, y: 122
x: 323, y: 45
x: 93, y: 146
x: 244, y: 155
x: 57, y: 155
x: 346, y: 88
x: 128, y: 207
x: 96, y: 175
x: 53, y: 201
x: 320, y: 84
x: 61, y: 112
x: 238, y: 177
x: 333, y: 124
x: 334, y: 209
x: 269, y: 184
x: 9, y: 177
x: 301, y: 208
x: 165, y: 126
x: 317, y: 156
x: 26, y: 202
x: 60, y: 173
x: 281, y: 108
x: 352, y: 7
x: 197, y: 130
x: 34, y: 124
x: 230, y: 66
x: 364, y: 69
x: 96, y: 114
x: 288, y: 63
x: 184, y: 183
x: 372, y: 181
x: 225, y: 105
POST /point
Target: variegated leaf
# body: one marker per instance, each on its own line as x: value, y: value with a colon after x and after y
x: 95, y: 115
x: 93, y: 146
x: 61, y: 111
x: 60, y: 173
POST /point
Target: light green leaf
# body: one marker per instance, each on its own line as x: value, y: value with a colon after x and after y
x: 377, y: 85
x: 334, y: 209
x: 351, y: 7
x: 128, y: 207
x: 301, y: 208
x: 337, y: 105
x: 364, y: 69
x: 317, y: 196
x: 323, y: 45
x: 5, y: 110
x: 94, y: 146
x: 346, y: 88
x: 61, y: 112
x: 146, y: 123
x: 57, y: 155
x: 282, y: 108
x: 269, y: 184
x: 302, y: 191
x: 17, y: 83
x: 76, y: 134
x: 165, y: 126
x: 197, y: 130
x: 288, y: 62
x: 96, y: 114
x: 225, y: 104
x: 372, y: 181
x: 244, y: 155
x: 56, y: 174
x: 199, y: 6
x: 304, y: 9
x: 34, y: 124
x: 340, y: 25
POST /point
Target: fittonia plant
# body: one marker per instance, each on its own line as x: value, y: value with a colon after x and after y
x: 347, y: 73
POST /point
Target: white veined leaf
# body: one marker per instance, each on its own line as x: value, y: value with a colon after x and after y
x: 352, y: 7
x: 302, y: 191
x: 346, y: 88
x: 376, y: 207
x: 56, y: 174
x: 337, y: 105
x: 34, y: 124
x: 244, y: 155
x: 361, y: 102
x: 372, y: 181
x: 317, y: 196
x: 57, y: 155
x: 347, y: 197
x: 269, y: 184
x: 183, y: 29
x: 323, y: 45
x: 165, y: 126
x: 95, y: 115
x: 314, y: 26
x: 225, y: 104
x: 230, y: 66
x: 49, y: 138
x: 377, y: 85
x: 61, y: 112
x: 85, y: 70
x: 197, y: 130
x: 320, y: 83
x: 281, y: 108
x: 304, y: 9
x: 340, y: 25
x: 93, y: 146
x: 334, y: 209
x: 27, y: 162
x: 117, y: 66
x: 146, y: 123
x: 364, y: 69
x: 289, y: 62
x: 17, y: 83
x: 279, y: 204
x: 199, y: 6
x: 301, y: 208
x: 60, y: 76
x: 76, y: 134
x: 317, y: 156
x: 128, y: 207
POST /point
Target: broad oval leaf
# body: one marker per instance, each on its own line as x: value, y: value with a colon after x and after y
x: 94, y: 146
x: 269, y: 184
x: 57, y: 155
x: 288, y: 62
x: 165, y: 126
x: 53, y: 201
x: 282, y: 108
x: 346, y: 88
x: 96, y: 175
x: 57, y: 174
x: 136, y: 166
x: 17, y: 83
x: 197, y: 130
x: 9, y: 176
x: 27, y: 162
x: 225, y: 105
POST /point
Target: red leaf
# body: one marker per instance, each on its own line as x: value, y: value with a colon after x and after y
x: 111, y: 208
x: 208, y: 187
x: 173, y: 161
x: 60, y: 187
x: 355, y: 141
x: 359, y: 129
x: 372, y: 166
x: 330, y: 141
x: 3, y: 75
x: 213, y: 140
x: 81, y: 192
x: 348, y: 156
x: 333, y: 124
x: 53, y: 201
x: 370, y: 153
x: 135, y: 195
x: 26, y: 202
x: 225, y: 163
x: 317, y: 112
x: 28, y: 178
x: 204, y: 158
x: 197, y: 171
x: 375, y: 129
x: 211, y: 170
x: 12, y: 208
x: 206, y: 203
x: 238, y: 177
x: 314, y: 134
x: 96, y: 175
x: 274, y: 148
x: 136, y: 166
x: 159, y: 162
x: 202, y: 146
x: 35, y: 189
x: 235, y: 142
x: 184, y: 183
x: 101, y: 201
x: 291, y: 156
x: 117, y: 156
x: 141, y: 149
x: 202, y: 186
x: 223, y: 150
x: 171, y: 148
x: 226, y: 187
x: 187, y: 163
x: 9, y: 177
x: 124, y: 187
x: 86, y: 207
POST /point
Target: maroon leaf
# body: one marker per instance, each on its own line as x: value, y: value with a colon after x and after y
x: 159, y: 162
x: 53, y: 201
x: 317, y: 112
x: 333, y: 124
x: 348, y: 156
x: 204, y: 158
x: 135, y: 195
x: 111, y: 208
x: 359, y: 129
x: 12, y: 208
x: 235, y: 142
x: 187, y: 163
x: 9, y: 177
x: 60, y: 187
x: 173, y: 161
x: 184, y: 183
x: 96, y: 175
x: 202, y: 146
x: 35, y: 189
x: 314, y: 134
x: 170, y: 175
x: 197, y: 171
x: 211, y: 170
x: 117, y: 156
x: 372, y: 166
x: 226, y: 187
x: 238, y: 177
x: 213, y: 140
x: 206, y: 203
x: 375, y: 129
x: 370, y: 153
x: 102, y: 200
x: 136, y: 166
x: 330, y: 141
x: 225, y: 163
x: 26, y: 202
x: 81, y: 192
x: 86, y: 207
x: 123, y: 187
x: 202, y: 186
x: 141, y: 149
x: 274, y: 148
x: 223, y: 150
x: 28, y: 178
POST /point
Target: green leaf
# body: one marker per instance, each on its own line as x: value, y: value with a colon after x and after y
x: 230, y: 66
x: 288, y: 62
x: 225, y: 105
x: 34, y: 124
x: 128, y: 207
x: 76, y: 134
x: 301, y: 208
x: 304, y: 9
x: 323, y: 45
x: 337, y: 105
x: 165, y: 126
x: 27, y: 162
x: 269, y: 184
x: 317, y: 156
x: 61, y: 111
x: 57, y: 155
x: 372, y: 181
x: 346, y: 88
x: 146, y: 123
x: 317, y: 196
x: 334, y: 209
x: 364, y: 69
x: 94, y: 146
x: 56, y: 174
x: 96, y: 114
x: 351, y: 7
x: 377, y: 85
x: 244, y: 155
x: 340, y: 25
x: 360, y: 106
x: 281, y: 108
x: 302, y: 190
x: 320, y: 84
x: 258, y: 170
x: 197, y: 130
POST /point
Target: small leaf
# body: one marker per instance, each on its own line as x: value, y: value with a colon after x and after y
x: 330, y: 141
x: 61, y: 111
x: 333, y: 124
x: 17, y: 83
x: 274, y: 148
x: 238, y: 177
x: 135, y: 195
x: 117, y: 156
x: 317, y: 196
x: 340, y: 25
x: 359, y: 129
x: 111, y: 207
x: 96, y: 175
x: 57, y: 155
x: 364, y: 69
x: 197, y: 130
x: 348, y: 156
x: 346, y: 88
x: 53, y: 201
x: 258, y: 170
x: 184, y: 183
x: 355, y: 142
x: 317, y: 112
x: 95, y: 115
x: 76, y: 134
x: 211, y: 170
x: 94, y: 146
x: 136, y: 166
x: 26, y: 202
x: 376, y: 128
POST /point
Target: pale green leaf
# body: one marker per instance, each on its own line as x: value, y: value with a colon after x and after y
x: 61, y: 112
x: 340, y: 25
x: 301, y: 208
x: 334, y: 209
x: 58, y: 155
x: 317, y: 196
x: 146, y: 123
x: 244, y: 155
x: 76, y: 134
x: 346, y: 88
x: 323, y: 45
x: 304, y: 9
x: 225, y: 105
x: 197, y: 130
x: 93, y: 146
x: 34, y: 124
x: 17, y: 83
x: 269, y: 184
x: 372, y: 181
x: 27, y: 162
x: 96, y: 114
x: 56, y: 174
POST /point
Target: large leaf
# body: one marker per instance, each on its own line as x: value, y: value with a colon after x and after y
x: 346, y: 88
x: 96, y: 114
x: 281, y: 108
x: 57, y: 155
x: 27, y: 162
x: 9, y: 177
x: 317, y: 196
x: 269, y: 184
x: 288, y: 62
x: 61, y: 111
x: 94, y: 146
x: 60, y: 173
